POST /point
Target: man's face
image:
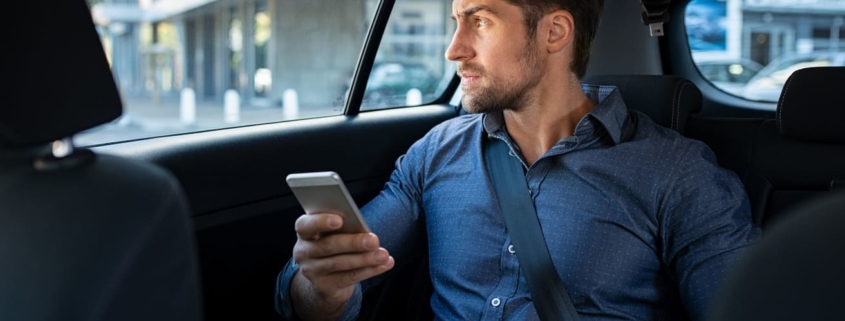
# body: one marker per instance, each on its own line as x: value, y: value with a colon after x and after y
x: 499, y: 66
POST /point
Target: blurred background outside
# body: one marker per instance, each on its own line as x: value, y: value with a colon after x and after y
x: 191, y: 65
x: 749, y: 48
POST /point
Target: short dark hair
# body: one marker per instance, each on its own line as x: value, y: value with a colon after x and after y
x: 586, y: 14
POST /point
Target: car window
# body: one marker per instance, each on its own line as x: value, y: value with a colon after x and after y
x: 749, y: 48
x: 185, y: 66
x: 410, y: 68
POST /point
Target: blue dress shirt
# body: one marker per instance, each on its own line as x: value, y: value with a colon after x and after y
x: 641, y: 223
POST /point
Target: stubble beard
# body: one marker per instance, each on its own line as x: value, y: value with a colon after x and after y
x: 511, y: 93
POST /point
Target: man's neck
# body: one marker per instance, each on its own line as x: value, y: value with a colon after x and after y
x: 550, y: 117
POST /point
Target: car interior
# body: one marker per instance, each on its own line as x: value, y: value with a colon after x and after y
x: 798, y: 255
x: 84, y: 236
x: 232, y: 228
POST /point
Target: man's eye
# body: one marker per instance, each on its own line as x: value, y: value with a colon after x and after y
x: 481, y: 23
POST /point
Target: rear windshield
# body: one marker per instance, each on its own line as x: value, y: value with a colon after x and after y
x: 749, y: 48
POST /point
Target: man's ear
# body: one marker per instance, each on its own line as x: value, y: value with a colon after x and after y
x: 561, y: 30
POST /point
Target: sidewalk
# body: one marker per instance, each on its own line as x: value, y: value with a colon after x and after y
x: 143, y: 118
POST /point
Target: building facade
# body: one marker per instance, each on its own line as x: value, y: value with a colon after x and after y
x: 259, y: 48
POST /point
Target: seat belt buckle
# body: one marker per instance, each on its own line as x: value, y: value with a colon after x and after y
x: 656, y: 29
x: 655, y: 13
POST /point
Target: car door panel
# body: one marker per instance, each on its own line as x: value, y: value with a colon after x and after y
x: 244, y: 212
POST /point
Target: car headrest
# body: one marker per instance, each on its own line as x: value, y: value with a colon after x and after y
x: 811, y: 106
x: 58, y: 80
x: 668, y: 100
x: 794, y: 272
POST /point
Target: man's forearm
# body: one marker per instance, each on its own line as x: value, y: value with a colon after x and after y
x: 308, y: 304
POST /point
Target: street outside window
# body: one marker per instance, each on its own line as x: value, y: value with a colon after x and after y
x: 749, y: 48
x: 410, y: 67
x: 184, y: 65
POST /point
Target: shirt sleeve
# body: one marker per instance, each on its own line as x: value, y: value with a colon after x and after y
x: 706, y: 226
x: 285, y: 307
x: 395, y: 215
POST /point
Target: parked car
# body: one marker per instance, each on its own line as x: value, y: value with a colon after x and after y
x: 730, y: 75
x: 390, y: 83
x: 768, y: 83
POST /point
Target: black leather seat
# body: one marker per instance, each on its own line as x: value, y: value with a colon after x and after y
x: 801, y: 153
x: 668, y: 100
x: 83, y: 236
x: 786, y: 160
x: 795, y: 272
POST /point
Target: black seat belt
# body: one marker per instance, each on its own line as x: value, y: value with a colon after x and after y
x: 550, y: 298
x: 655, y: 14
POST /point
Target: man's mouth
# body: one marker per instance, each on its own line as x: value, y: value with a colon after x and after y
x: 469, y: 79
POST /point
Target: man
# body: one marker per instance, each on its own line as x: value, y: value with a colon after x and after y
x: 640, y: 222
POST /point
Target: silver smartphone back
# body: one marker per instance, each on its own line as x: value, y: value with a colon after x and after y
x: 324, y: 192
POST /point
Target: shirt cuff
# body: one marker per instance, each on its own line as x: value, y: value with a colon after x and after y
x: 353, y: 306
x: 283, y: 301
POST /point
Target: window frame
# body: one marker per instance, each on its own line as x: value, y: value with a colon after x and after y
x: 366, y: 62
x: 677, y: 59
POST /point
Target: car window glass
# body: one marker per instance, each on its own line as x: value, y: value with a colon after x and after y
x: 749, y: 48
x: 185, y: 66
x: 410, y: 68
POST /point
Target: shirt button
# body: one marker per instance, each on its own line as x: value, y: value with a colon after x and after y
x: 530, y: 192
x: 496, y: 302
x: 511, y: 249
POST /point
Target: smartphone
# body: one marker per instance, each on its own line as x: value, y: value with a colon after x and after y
x: 324, y: 192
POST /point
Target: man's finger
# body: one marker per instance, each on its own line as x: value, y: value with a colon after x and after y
x: 345, y: 262
x: 348, y: 278
x: 341, y: 244
x: 335, y: 245
x: 309, y: 226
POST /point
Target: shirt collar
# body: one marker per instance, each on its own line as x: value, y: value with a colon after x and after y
x: 610, y: 112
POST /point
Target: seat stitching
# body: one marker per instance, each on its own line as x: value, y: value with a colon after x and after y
x: 676, y: 105
x: 781, y: 102
x: 674, y: 94
x: 680, y: 96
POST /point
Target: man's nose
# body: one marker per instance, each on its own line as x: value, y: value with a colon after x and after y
x: 459, y: 49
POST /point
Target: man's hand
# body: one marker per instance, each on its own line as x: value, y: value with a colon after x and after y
x: 331, y: 265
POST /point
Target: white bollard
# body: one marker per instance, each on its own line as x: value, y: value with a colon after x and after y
x: 290, y: 102
x: 413, y: 97
x: 231, y: 106
x: 188, y: 106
